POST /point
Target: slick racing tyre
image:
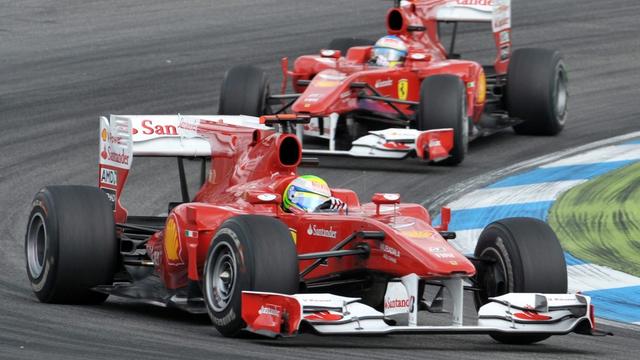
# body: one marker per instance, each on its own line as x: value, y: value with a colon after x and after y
x: 248, y: 252
x: 443, y: 104
x: 519, y: 255
x: 537, y: 91
x: 344, y: 44
x: 244, y: 91
x: 70, y: 245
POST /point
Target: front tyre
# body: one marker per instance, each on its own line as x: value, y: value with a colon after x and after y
x: 248, y: 252
x: 537, y: 91
x: 519, y: 255
x: 443, y: 104
x: 70, y: 244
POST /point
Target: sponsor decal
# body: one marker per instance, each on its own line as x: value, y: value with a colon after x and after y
x: 505, y: 52
x: 403, y: 89
x: 399, y: 303
x: 191, y: 233
x: 41, y: 205
x: 441, y: 253
x: 454, y: 263
x: 269, y: 310
x: 383, y: 83
x: 312, y: 98
x: 324, y: 316
x: 505, y: 37
x: 327, y: 83
x: 397, y: 300
x: 314, y: 230
x: 418, y: 234
x: 224, y: 320
x: 434, y: 143
x: 116, y: 157
x: 111, y: 195
x: 501, y: 15
x: 108, y: 177
x: 345, y: 94
x: 172, y: 242
x: 104, y: 135
x: 476, y: 2
x: 335, y: 77
x: 392, y: 145
x: 294, y: 235
x: 531, y: 315
x: 148, y: 128
x: 389, y: 253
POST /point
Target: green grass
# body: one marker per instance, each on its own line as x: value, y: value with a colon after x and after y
x: 599, y: 221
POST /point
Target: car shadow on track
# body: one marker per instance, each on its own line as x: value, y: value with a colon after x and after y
x: 439, y: 343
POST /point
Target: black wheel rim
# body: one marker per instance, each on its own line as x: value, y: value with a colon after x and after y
x: 492, y: 275
x: 562, y: 96
x: 37, y: 244
x: 220, y: 277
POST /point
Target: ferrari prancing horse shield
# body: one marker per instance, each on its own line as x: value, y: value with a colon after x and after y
x: 403, y: 89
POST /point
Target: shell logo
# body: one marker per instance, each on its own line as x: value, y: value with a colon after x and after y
x: 103, y: 134
x: 172, y: 242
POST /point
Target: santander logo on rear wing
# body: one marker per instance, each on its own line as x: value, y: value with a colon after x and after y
x: 498, y: 12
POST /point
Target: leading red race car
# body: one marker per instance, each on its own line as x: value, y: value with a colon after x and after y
x: 234, y: 252
x: 354, y: 97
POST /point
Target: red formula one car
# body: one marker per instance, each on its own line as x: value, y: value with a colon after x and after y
x: 232, y: 250
x: 354, y: 98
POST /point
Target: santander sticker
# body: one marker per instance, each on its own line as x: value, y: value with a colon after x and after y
x: 314, y: 230
x: 397, y: 300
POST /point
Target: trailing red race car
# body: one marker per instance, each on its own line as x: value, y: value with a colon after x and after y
x: 357, y: 89
x: 262, y: 249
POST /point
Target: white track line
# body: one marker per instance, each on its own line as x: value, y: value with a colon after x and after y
x: 623, y: 152
x: 547, y: 191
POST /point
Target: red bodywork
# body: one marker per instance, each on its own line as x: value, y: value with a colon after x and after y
x: 332, y: 74
x: 251, y: 168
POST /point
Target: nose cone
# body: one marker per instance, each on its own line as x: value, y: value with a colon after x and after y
x: 323, y: 91
x: 420, y: 249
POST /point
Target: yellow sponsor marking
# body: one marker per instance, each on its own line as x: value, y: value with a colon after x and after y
x: 403, y: 89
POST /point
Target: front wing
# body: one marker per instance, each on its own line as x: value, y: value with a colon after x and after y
x: 393, y: 143
x: 273, y: 315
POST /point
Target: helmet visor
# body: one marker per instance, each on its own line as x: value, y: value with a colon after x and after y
x: 305, y: 200
x: 389, y: 54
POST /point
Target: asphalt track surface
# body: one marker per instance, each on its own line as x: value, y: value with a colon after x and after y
x: 64, y: 63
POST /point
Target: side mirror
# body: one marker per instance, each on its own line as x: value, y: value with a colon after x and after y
x: 384, y: 199
x: 328, y: 53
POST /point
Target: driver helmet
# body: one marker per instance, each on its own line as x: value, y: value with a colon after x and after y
x: 305, y: 193
x: 389, y: 51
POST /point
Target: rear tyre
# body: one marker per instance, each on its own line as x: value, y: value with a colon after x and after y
x: 443, y: 104
x: 537, y: 91
x: 70, y: 245
x: 344, y: 44
x: 248, y: 252
x: 525, y: 256
x: 244, y: 91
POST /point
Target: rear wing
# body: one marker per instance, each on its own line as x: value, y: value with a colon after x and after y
x: 123, y: 137
x: 497, y: 12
